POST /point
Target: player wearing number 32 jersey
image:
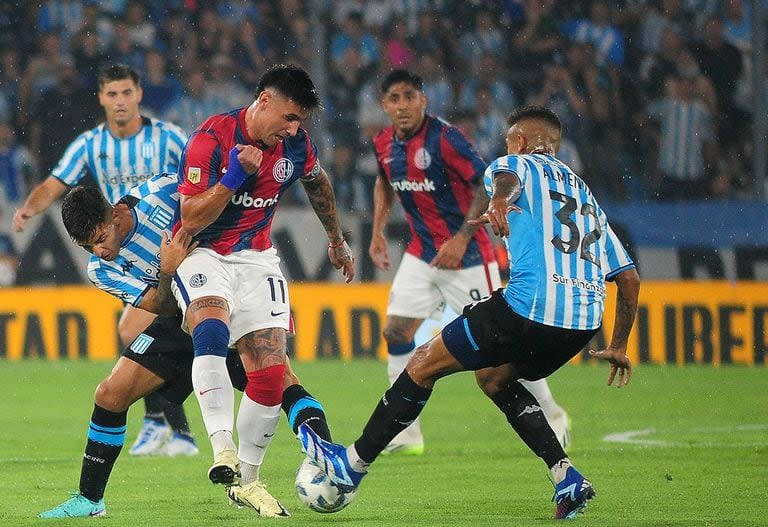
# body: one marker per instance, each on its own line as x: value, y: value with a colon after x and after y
x: 561, y: 252
x: 562, y: 225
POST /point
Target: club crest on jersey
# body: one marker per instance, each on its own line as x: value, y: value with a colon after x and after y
x: 194, y: 174
x: 422, y: 159
x: 283, y: 170
x: 198, y: 280
x: 147, y: 150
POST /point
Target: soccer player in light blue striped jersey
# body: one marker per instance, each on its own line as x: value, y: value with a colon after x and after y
x: 135, y: 259
x: 561, y: 253
x: 119, y: 154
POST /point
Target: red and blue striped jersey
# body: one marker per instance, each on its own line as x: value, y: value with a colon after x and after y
x: 246, y: 221
x: 434, y: 173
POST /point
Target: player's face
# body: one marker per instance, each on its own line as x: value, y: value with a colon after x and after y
x: 280, y: 117
x: 405, y: 106
x: 120, y: 100
x: 104, y: 243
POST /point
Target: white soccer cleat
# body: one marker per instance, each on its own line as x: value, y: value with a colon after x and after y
x: 255, y: 496
x: 180, y: 445
x: 152, y: 438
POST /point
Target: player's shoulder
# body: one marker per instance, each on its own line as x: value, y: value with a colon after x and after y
x: 166, y: 182
x: 384, y: 135
x: 99, y: 129
x: 99, y: 269
x: 509, y: 162
x: 165, y: 125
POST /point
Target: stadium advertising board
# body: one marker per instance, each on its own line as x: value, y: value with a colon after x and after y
x: 677, y: 323
x: 682, y: 241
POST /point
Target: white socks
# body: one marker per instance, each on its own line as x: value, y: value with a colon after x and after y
x: 214, y: 392
x: 540, y: 390
x: 256, y: 425
x: 557, y: 472
x: 357, y: 464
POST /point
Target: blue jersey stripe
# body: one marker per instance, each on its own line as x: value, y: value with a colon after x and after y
x: 73, y: 163
x: 558, y: 282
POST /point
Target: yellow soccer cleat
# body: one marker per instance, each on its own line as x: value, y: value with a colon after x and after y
x: 255, y: 496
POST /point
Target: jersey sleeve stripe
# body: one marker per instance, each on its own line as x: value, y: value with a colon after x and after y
x: 163, y: 149
x: 73, y: 169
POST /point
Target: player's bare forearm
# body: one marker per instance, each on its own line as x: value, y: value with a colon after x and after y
x: 628, y: 284
x: 166, y: 303
x: 38, y: 201
x: 44, y: 194
x: 383, y: 197
x: 476, y: 208
x: 323, y: 201
x: 507, y: 186
x: 200, y: 210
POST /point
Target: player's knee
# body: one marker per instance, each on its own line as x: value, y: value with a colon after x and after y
x: 265, y: 386
x: 290, y: 378
x: 126, y: 333
x: 489, y: 382
x: 110, y: 396
x: 394, y: 334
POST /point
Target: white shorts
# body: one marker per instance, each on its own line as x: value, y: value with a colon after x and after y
x: 250, y: 281
x: 420, y: 290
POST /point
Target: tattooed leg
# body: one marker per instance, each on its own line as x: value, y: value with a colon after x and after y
x: 264, y: 358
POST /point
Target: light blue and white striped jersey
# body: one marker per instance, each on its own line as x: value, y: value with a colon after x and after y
x: 137, y: 266
x: 118, y: 165
x: 685, y: 128
x: 561, y: 247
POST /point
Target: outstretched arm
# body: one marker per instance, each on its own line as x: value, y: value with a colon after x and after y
x: 38, y: 201
x: 323, y: 201
x: 628, y: 283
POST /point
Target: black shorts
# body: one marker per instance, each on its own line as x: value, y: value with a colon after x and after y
x: 165, y: 350
x: 489, y: 334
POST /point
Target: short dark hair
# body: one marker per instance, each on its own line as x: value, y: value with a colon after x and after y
x: 534, y: 112
x: 293, y: 82
x: 83, y: 210
x: 401, y: 75
x: 117, y: 72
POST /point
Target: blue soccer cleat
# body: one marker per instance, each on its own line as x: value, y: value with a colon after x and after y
x: 152, y: 438
x: 572, y: 494
x: 331, y: 458
x: 78, y: 506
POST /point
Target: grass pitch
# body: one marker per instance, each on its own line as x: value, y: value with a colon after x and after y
x: 679, y: 446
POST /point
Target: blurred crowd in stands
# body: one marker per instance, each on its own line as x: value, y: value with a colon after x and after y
x: 654, y: 95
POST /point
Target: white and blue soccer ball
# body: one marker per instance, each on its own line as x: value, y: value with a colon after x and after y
x: 317, y: 491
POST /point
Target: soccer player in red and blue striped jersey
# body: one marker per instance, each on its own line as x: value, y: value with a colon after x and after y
x: 437, y: 176
x: 230, y: 288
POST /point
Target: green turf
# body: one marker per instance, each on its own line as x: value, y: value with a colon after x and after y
x: 708, y: 465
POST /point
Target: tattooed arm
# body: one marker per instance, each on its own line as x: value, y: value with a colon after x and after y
x: 323, y: 201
